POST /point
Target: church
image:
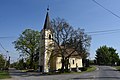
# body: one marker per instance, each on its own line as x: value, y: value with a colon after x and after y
x: 45, y: 63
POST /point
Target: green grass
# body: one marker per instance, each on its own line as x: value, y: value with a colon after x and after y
x: 4, y: 75
x: 91, y: 68
x: 117, y: 67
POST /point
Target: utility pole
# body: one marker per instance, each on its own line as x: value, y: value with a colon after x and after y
x: 5, y: 62
x: 9, y: 62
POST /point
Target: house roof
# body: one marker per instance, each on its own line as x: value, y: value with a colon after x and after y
x: 75, y: 54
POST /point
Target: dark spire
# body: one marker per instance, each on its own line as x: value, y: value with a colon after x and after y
x: 47, y: 20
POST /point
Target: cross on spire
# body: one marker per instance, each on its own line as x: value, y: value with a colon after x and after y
x: 48, y: 8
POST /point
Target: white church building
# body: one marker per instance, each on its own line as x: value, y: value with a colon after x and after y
x: 45, y: 64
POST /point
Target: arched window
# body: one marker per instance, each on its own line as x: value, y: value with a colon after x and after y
x: 73, y: 62
x: 49, y: 36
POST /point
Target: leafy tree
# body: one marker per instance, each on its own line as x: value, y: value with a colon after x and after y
x: 28, y: 44
x: 13, y: 65
x: 20, y: 64
x: 103, y: 55
x: 66, y: 38
x: 106, y: 56
x: 113, y: 56
x: 2, y: 61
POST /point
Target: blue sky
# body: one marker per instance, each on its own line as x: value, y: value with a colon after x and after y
x: 18, y: 15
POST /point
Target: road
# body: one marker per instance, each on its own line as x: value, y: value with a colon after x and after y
x: 102, y: 73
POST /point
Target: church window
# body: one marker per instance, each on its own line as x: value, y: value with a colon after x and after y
x: 49, y: 36
x: 73, y: 62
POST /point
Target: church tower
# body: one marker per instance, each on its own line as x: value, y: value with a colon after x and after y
x: 45, y: 45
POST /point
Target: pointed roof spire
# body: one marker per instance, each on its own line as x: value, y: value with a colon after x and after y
x: 47, y: 20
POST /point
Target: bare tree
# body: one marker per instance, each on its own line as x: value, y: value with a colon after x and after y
x: 68, y: 41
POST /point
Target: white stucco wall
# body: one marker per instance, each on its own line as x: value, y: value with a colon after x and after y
x: 77, y: 62
x: 45, y: 49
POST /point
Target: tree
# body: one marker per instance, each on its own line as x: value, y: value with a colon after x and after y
x: 106, y: 56
x: 68, y: 41
x: 103, y: 55
x: 20, y: 64
x: 28, y: 44
x: 2, y: 62
x: 13, y: 65
x: 113, y: 56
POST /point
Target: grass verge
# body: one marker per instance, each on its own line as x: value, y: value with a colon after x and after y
x: 90, y: 69
x: 4, y: 74
x: 117, y: 67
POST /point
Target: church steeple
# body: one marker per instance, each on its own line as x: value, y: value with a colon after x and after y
x: 47, y: 21
x: 45, y: 42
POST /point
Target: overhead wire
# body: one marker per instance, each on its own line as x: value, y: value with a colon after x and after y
x: 91, y: 32
x: 103, y: 31
x: 106, y: 9
x: 3, y: 48
x: 7, y: 37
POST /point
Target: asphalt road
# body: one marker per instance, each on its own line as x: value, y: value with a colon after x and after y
x: 102, y: 73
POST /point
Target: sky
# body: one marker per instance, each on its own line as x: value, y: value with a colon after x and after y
x: 18, y: 15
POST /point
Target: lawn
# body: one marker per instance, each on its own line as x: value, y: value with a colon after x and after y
x: 117, y: 67
x: 88, y: 69
x: 4, y: 75
x: 91, y: 68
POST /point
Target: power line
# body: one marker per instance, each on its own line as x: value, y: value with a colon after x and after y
x: 106, y: 9
x: 3, y: 47
x: 7, y: 37
x: 103, y: 31
x: 92, y: 32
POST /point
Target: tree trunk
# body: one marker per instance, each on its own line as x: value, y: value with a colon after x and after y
x: 83, y: 62
x: 66, y: 64
x: 63, y: 64
x: 31, y: 61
